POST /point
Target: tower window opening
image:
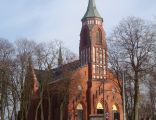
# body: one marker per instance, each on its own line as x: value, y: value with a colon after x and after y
x: 98, y: 37
x: 101, y: 70
x: 97, y: 69
x: 96, y: 21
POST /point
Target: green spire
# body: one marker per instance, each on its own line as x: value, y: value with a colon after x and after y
x: 91, y: 10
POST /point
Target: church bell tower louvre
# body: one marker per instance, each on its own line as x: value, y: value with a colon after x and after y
x: 93, y: 48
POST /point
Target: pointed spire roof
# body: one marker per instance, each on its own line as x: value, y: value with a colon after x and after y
x: 60, y: 59
x: 92, y: 10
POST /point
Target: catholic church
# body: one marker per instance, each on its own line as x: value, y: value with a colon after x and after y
x: 93, y: 92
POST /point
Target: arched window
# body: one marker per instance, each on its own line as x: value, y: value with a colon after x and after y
x: 116, y: 114
x: 114, y: 108
x: 79, y: 109
x: 99, y: 37
x: 99, y: 108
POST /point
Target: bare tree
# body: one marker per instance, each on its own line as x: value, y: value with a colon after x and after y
x: 149, y: 96
x: 119, y: 68
x: 136, y: 40
x: 6, y: 65
x: 24, y: 51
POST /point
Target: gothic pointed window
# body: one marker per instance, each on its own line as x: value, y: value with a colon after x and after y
x: 98, y: 37
x: 79, y: 109
x: 116, y: 114
x: 100, y: 109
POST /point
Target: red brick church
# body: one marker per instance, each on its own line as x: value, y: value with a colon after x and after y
x: 93, y: 92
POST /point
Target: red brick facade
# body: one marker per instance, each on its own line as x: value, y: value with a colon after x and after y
x: 92, y: 94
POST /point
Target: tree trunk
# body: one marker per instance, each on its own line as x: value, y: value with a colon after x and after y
x: 61, y: 111
x: 136, y: 98
x: 49, y: 106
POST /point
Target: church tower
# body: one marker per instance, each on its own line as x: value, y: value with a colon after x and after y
x: 93, y: 49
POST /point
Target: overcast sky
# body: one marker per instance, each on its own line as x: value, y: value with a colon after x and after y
x: 45, y: 20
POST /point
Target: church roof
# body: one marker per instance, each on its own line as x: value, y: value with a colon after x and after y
x: 91, y: 10
x: 56, y: 74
